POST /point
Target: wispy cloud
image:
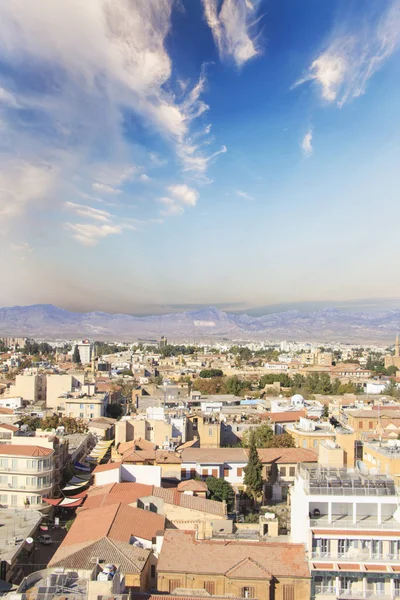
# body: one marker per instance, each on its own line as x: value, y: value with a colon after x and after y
x: 306, y: 144
x: 90, y: 234
x: 105, y: 189
x: 179, y: 196
x: 244, y: 195
x: 233, y: 28
x: 90, y: 212
x: 23, y: 247
x: 350, y: 59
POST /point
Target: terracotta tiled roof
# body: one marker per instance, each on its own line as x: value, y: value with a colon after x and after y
x: 286, y: 455
x: 187, y: 445
x: 165, y: 457
x: 6, y: 411
x: 192, y: 485
x: 8, y: 427
x: 117, y: 522
x: 106, y: 467
x: 248, y: 569
x: 286, y: 417
x: 128, y: 493
x: 216, y: 455
x: 130, y: 558
x: 181, y: 553
x: 20, y: 450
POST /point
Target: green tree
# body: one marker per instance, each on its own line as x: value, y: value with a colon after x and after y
x: 261, y: 436
x: 114, y: 410
x: 221, y: 490
x: 392, y: 389
x: 281, y: 440
x: 207, y: 373
x: 76, y: 357
x: 253, y: 472
x: 325, y: 411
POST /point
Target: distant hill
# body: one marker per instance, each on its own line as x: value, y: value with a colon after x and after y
x: 48, y: 321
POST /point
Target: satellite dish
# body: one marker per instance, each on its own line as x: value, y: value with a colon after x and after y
x: 29, y: 540
x: 362, y: 467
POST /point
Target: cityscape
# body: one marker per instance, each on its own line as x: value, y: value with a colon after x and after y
x: 199, y: 300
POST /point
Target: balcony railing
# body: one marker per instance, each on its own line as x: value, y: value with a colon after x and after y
x: 367, y: 522
x: 353, y: 594
x: 9, y: 487
x: 356, y: 556
x: 28, y: 470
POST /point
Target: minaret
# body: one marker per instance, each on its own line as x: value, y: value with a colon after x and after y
x: 396, y: 347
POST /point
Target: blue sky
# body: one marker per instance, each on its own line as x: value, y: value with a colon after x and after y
x: 160, y: 154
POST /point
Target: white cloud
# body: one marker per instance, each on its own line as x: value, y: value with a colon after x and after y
x: 105, y: 189
x: 232, y: 28
x: 144, y: 177
x: 90, y: 212
x: 184, y: 194
x: 180, y: 196
x: 306, y: 144
x: 244, y: 195
x: 7, y: 98
x: 91, y: 234
x: 343, y: 69
x: 23, y: 185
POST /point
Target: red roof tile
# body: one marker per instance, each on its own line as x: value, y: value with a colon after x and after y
x: 286, y: 455
x: 106, y: 467
x: 20, y: 450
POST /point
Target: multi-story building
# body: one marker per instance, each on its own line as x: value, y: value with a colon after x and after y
x: 62, y: 384
x: 85, y: 348
x: 383, y: 457
x: 30, y: 386
x: 26, y: 475
x: 350, y: 525
x: 308, y: 434
x: 228, y: 463
x: 84, y: 404
x: 207, y: 429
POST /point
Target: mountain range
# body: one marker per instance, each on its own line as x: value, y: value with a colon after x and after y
x: 46, y: 321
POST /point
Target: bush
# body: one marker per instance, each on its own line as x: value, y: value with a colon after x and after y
x: 208, y: 373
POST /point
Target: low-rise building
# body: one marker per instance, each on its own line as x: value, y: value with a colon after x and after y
x: 267, y: 571
x: 228, y: 463
x: 308, y: 434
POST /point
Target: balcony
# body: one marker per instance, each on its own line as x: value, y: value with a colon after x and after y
x: 356, y: 557
x: 7, y: 487
x: 351, y: 594
x: 346, y: 522
x: 27, y: 470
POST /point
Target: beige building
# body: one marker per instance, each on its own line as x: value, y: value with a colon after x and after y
x: 267, y: 571
x: 30, y: 386
x: 393, y: 361
x: 26, y: 475
x: 383, y: 457
x: 207, y: 429
x: 308, y: 434
x: 57, y: 385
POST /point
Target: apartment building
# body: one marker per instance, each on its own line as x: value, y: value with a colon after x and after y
x: 84, y: 404
x: 350, y: 525
x: 58, y: 384
x: 30, y: 386
x: 85, y: 348
x: 308, y: 434
x: 207, y: 429
x: 383, y: 457
x: 26, y: 475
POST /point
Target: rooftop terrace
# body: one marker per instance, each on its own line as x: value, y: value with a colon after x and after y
x: 343, y: 482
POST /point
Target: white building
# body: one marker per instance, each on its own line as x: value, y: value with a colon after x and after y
x: 13, y: 403
x: 350, y: 525
x: 85, y: 348
x: 27, y: 474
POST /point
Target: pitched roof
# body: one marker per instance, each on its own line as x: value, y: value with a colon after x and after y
x: 8, y: 427
x: 286, y: 455
x: 131, y: 559
x: 166, y: 457
x: 214, y: 455
x: 182, y: 553
x: 285, y: 417
x: 188, y: 444
x: 192, y: 485
x: 118, y: 522
x: 21, y: 450
x: 130, y: 492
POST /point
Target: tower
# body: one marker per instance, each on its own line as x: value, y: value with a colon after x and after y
x: 396, y: 347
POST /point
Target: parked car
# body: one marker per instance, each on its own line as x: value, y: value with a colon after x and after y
x: 44, y: 539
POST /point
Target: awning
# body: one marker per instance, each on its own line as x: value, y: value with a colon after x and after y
x: 64, y: 502
x: 81, y: 467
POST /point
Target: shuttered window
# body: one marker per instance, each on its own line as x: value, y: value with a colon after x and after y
x: 209, y: 586
x: 248, y: 592
x: 288, y: 592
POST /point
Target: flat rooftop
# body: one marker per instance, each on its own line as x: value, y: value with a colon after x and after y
x: 15, y: 526
x: 341, y: 482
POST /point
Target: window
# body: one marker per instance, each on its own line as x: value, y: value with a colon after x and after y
x: 361, y: 425
x: 81, y: 415
x: 376, y: 549
x: 91, y: 406
x: 91, y: 415
x: 371, y: 425
x: 247, y: 592
x: 304, y: 443
x: 394, y: 549
x: 288, y: 592
x: 192, y: 473
x: 282, y: 471
x: 214, y: 472
x: 396, y: 587
x: 226, y: 472
x: 173, y: 584
x: 183, y: 473
x: 204, y: 472
x: 292, y: 471
x: 209, y: 586
x: 210, y: 431
x: 239, y: 471
x: 315, y: 443
x: 81, y: 406
x: 153, y: 571
x: 342, y: 547
x: 3, y: 498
